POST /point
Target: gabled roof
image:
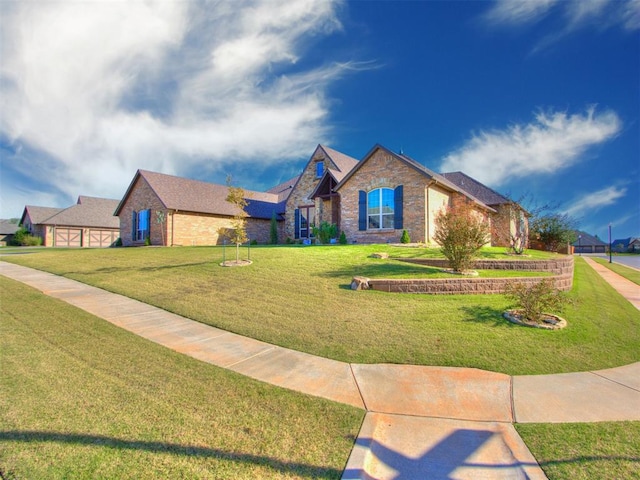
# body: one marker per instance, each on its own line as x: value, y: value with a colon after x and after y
x: 427, y: 173
x: 185, y: 194
x: 38, y: 215
x: 284, y: 189
x: 625, y: 242
x: 586, y: 240
x: 88, y: 212
x: 344, y: 163
x: 91, y: 212
x: 475, y: 188
x: 8, y: 228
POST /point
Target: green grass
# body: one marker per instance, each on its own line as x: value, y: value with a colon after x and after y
x: 622, y: 270
x: 299, y: 297
x: 82, y: 398
x: 584, y: 451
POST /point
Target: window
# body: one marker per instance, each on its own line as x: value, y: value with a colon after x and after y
x: 140, y: 225
x: 380, y: 208
x: 319, y: 169
x: 304, y: 219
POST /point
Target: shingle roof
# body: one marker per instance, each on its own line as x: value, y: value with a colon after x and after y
x: 437, y: 178
x: 88, y: 212
x: 284, y: 189
x: 344, y: 163
x: 38, y: 215
x: 185, y: 194
x: 475, y: 188
x: 586, y: 239
x: 8, y: 228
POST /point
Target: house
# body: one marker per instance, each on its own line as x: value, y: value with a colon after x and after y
x: 372, y: 201
x: 7, y: 230
x: 88, y: 223
x: 586, y: 243
x: 626, y: 245
x: 168, y: 210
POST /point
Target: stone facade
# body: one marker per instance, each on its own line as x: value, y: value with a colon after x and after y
x: 562, y: 268
x: 300, y: 196
x: 142, y: 197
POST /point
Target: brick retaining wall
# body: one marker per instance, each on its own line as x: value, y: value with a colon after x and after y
x: 562, y: 268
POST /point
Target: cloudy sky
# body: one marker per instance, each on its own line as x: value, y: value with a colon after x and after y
x: 537, y: 98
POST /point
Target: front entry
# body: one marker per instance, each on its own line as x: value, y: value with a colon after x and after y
x: 304, y: 222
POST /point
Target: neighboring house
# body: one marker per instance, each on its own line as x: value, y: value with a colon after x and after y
x: 88, y: 223
x: 626, y: 245
x: 372, y: 201
x: 169, y: 210
x: 7, y: 230
x: 586, y: 243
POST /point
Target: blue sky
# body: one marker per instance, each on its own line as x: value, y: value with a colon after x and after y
x: 538, y: 98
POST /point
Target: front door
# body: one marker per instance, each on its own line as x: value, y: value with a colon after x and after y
x: 306, y: 218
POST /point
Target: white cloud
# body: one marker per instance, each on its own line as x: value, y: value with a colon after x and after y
x: 552, y: 142
x: 92, y: 91
x: 515, y: 12
x: 577, y: 14
x: 594, y: 201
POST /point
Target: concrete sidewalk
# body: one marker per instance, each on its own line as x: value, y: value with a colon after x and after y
x: 421, y: 422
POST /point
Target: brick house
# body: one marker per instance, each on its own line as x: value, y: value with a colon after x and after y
x: 389, y: 192
x: 371, y: 201
x: 88, y: 223
x: 171, y: 210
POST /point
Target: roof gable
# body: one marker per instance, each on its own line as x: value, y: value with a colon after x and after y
x: 88, y: 212
x: 185, y: 194
x: 410, y: 162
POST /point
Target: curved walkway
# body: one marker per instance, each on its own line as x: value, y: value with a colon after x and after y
x: 421, y: 422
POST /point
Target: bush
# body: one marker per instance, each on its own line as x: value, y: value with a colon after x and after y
x: 537, y: 299
x: 460, y: 232
x: 405, y: 237
x: 273, y: 230
x: 325, y: 232
x: 343, y: 238
x: 23, y: 238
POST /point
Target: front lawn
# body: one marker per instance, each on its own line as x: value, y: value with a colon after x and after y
x: 81, y: 398
x: 299, y: 297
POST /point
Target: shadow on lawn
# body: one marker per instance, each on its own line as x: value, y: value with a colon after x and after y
x: 299, y: 469
x: 486, y: 316
x: 147, y: 269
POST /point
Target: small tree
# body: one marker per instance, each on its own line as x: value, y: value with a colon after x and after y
x: 405, y: 237
x: 537, y: 299
x: 553, y: 230
x: 460, y: 232
x: 238, y: 231
x: 273, y: 231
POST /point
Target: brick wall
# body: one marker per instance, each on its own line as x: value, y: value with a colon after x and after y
x: 142, y: 197
x: 562, y: 268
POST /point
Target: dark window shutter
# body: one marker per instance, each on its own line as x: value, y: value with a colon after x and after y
x: 362, y: 210
x: 134, y: 226
x: 147, y: 214
x: 398, y: 212
x: 296, y: 223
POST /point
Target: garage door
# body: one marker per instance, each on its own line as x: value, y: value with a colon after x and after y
x: 68, y: 237
x: 102, y: 238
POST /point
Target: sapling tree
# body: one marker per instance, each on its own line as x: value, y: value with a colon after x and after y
x: 238, y: 231
x: 535, y: 300
x: 460, y: 232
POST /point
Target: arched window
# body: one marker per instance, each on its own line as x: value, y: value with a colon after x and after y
x: 380, y: 208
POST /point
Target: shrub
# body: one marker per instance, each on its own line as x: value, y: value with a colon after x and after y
x: 253, y: 242
x: 343, y: 238
x: 537, y: 299
x: 460, y: 232
x: 273, y: 230
x: 405, y: 237
x: 325, y: 232
x: 23, y: 238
